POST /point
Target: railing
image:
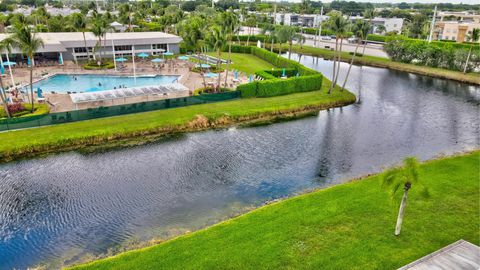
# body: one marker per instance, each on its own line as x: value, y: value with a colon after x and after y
x: 80, y: 115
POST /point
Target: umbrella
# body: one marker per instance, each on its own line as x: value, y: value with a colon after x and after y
x: 211, y: 75
x: 60, y: 59
x: 8, y: 63
x: 283, y: 73
x: 203, y: 65
x: 235, y: 74
x: 168, y: 53
x: 157, y: 60
x: 121, y: 59
x: 142, y: 55
x: 251, y: 78
x: 2, y: 69
x: 183, y: 57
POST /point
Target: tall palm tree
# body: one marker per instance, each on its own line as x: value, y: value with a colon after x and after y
x: 472, y: 38
x: 369, y: 14
x: 360, y: 29
x: 270, y: 29
x: 99, y: 30
x: 304, y: 6
x: 79, y: 24
x: 217, y: 40
x: 3, y: 95
x: 405, y: 177
x: 338, y: 24
x: 230, y: 23
x: 27, y: 41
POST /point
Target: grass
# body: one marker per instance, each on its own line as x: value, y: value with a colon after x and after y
x: 349, y: 226
x: 39, y: 109
x: 471, y: 77
x: 245, y: 62
x: 76, y: 135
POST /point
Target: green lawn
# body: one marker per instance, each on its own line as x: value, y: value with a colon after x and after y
x: 387, y: 63
x: 19, y: 143
x: 245, y: 62
x: 348, y: 226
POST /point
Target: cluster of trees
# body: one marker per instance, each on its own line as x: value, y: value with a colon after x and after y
x: 453, y: 56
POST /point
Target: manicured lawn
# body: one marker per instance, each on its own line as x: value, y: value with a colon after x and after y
x: 385, y: 62
x: 99, y: 131
x: 348, y: 226
x: 245, y: 62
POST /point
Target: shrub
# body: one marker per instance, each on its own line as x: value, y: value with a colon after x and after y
x: 248, y: 90
x: 94, y: 65
x: 377, y: 38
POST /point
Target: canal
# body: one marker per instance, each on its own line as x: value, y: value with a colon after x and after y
x: 64, y: 208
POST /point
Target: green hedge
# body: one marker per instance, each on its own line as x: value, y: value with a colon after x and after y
x: 95, y: 66
x: 378, y: 38
x: 253, y: 38
x: 265, y: 74
x: 248, y: 90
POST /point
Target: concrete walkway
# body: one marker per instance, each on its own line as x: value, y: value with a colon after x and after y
x: 461, y: 255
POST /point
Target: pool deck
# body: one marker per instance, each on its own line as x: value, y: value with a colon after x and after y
x: 62, y: 102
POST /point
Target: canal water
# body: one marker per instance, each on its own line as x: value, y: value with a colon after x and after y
x: 65, y: 208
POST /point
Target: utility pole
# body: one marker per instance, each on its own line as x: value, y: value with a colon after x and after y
x: 430, y: 36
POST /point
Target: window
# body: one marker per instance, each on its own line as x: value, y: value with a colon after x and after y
x: 82, y: 49
x: 123, y: 48
x: 159, y: 46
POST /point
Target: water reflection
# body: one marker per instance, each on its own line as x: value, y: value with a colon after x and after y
x: 60, y: 208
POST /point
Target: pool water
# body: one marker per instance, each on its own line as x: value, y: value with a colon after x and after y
x: 62, y: 83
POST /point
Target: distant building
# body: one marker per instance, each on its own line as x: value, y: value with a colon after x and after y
x: 71, y: 46
x: 390, y: 24
x: 455, y: 26
x: 305, y: 20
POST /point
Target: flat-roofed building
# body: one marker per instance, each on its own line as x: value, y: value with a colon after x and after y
x: 71, y: 45
x: 456, y: 26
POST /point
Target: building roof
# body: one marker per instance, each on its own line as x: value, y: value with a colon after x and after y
x: 59, y: 42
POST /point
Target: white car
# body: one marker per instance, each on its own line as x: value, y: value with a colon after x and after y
x: 325, y: 38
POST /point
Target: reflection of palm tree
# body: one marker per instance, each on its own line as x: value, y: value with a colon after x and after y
x: 29, y: 43
x: 405, y: 177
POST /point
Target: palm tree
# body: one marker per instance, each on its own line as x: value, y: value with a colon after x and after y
x: 250, y: 22
x: 230, y: 23
x: 288, y: 34
x: 304, y: 6
x: 99, y: 30
x: 472, y: 38
x: 368, y: 14
x: 79, y: 24
x: 268, y: 28
x: 29, y: 43
x: 217, y: 40
x: 360, y: 29
x: 127, y: 11
x: 338, y: 24
x: 3, y: 95
x: 405, y: 176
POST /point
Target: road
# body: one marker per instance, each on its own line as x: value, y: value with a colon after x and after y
x: 371, y: 49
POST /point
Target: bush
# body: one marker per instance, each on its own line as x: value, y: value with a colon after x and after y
x: 434, y: 54
x: 248, y: 90
x: 377, y: 38
x: 92, y: 65
x: 19, y: 109
x: 209, y: 90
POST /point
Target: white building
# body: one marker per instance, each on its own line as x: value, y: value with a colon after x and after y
x: 71, y: 45
x: 305, y: 20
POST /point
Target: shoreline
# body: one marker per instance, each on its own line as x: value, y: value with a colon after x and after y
x: 263, y: 207
x: 200, y: 122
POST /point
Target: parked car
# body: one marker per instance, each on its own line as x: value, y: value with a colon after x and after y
x: 352, y: 40
x: 325, y: 38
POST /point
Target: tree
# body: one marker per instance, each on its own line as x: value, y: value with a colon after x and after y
x: 369, y: 14
x: 405, y: 177
x: 3, y: 95
x: 230, y: 24
x: 126, y: 13
x: 270, y: 29
x: 288, y: 34
x: 79, y: 24
x: 26, y: 40
x: 217, y: 40
x: 338, y: 24
x: 250, y: 22
x: 360, y: 29
x: 472, y: 38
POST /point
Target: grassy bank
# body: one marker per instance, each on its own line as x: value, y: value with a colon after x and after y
x: 348, y: 226
x: 142, y: 127
x: 245, y: 62
x: 473, y: 78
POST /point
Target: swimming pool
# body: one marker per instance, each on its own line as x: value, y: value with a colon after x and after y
x: 63, y: 83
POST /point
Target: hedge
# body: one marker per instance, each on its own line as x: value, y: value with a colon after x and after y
x: 377, y: 38
x: 307, y: 79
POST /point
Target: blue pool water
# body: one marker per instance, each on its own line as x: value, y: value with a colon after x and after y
x: 62, y: 83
